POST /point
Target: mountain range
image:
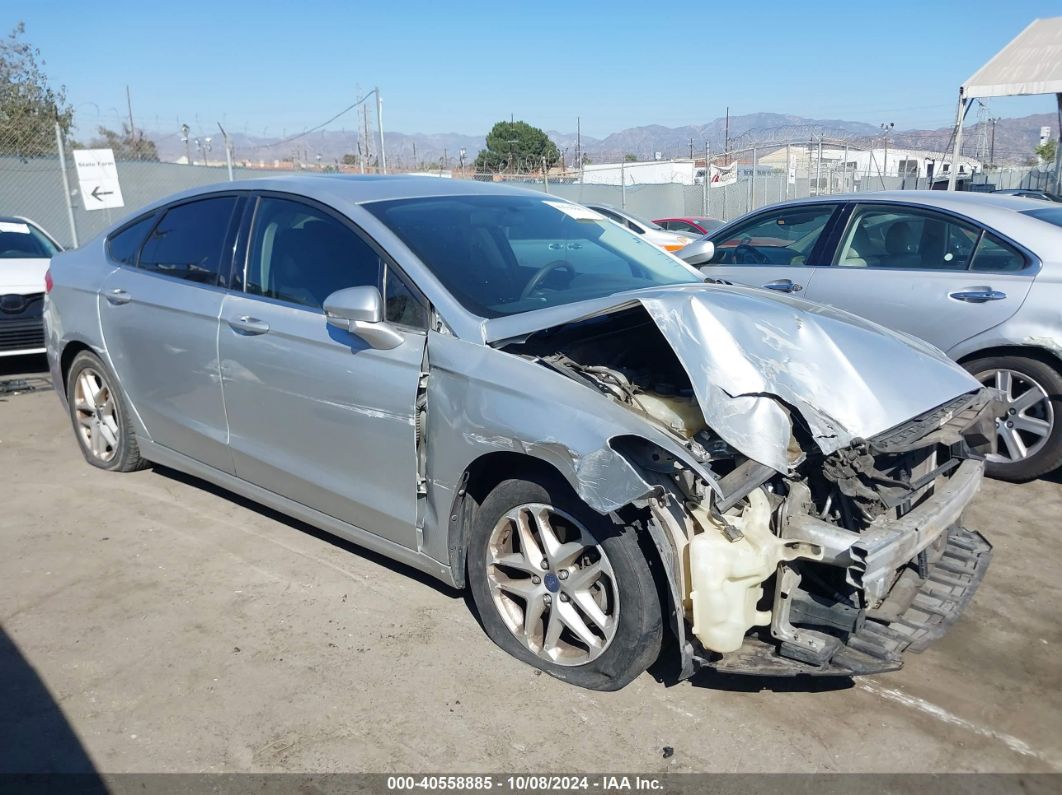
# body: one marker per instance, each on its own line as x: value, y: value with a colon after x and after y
x: 1014, y: 141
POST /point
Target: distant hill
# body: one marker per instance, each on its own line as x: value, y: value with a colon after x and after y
x: 1014, y: 141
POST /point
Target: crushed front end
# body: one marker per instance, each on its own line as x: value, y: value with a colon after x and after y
x: 843, y: 563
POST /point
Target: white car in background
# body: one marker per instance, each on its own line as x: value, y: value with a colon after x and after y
x: 650, y: 230
x: 25, y: 251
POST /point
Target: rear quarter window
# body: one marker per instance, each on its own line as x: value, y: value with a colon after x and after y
x: 124, y: 245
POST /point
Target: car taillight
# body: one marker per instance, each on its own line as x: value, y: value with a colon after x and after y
x: 48, y: 280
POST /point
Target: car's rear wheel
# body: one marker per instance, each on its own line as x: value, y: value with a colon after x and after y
x: 1029, y: 432
x: 561, y: 587
x: 100, y: 416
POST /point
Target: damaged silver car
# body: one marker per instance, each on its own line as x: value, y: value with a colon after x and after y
x: 515, y: 395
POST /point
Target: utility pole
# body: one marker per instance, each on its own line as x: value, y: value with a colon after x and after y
x: 365, y: 136
x: 228, y: 150
x: 187, y: 145
x: 379, y: 123
x: 726, y: 136
x: 132, y: 129
x: 788, y: 169
x: 705, y: 199
x: 691, y: 148
x: 579, y: 145
x: 818, y: 168
x: 992, y: 144
x: 885, y: 129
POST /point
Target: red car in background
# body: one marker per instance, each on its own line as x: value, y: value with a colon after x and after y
x: 693, y: 224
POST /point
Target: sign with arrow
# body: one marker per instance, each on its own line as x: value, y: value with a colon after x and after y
x: 97, y: 176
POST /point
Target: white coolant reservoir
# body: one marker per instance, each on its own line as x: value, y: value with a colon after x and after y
x: 680, y: 414
x: 726, y: 577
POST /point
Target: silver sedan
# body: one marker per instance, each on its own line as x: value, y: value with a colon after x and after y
x: 977, y: 275
x: 514, y: 394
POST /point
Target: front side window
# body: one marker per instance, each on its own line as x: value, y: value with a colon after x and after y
x: 894, y: 237
x: 189, y: 241
x: 501, y: 255
x: 783, y: 237
x: 20, y: 240
x: 301, y: 254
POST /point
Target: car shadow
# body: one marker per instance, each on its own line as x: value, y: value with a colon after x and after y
x: 36, y: 739
x: 309, y: 529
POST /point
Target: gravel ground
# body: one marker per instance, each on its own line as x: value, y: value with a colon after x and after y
x: 153, y: 623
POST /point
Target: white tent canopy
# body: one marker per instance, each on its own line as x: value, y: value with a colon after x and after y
x: 1030, y: 64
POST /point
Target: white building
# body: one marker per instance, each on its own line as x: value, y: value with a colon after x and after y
x: 866, y: 163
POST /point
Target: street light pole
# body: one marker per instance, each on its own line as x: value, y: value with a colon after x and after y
x: 379, y: 123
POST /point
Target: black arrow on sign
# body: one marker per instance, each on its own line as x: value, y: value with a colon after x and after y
x: 99, y: 194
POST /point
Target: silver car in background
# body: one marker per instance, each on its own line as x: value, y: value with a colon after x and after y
x: 978, y: 275
x: 514, y: 394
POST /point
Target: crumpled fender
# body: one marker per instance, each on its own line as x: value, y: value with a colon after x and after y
x: 480, y: 400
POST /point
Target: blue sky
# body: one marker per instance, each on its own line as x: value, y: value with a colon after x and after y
x: 276, y: 68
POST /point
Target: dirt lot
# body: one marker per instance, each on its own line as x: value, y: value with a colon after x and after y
x: 153, y: 623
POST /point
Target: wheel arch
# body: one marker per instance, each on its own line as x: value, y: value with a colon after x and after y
x: 1044, y: 355
x: 66, y: 358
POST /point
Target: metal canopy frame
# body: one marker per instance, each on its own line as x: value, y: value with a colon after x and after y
x: 1030, y: 64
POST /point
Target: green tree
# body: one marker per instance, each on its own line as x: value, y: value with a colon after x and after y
x: 350, y: 159
x: 516, y: 147
x: 127, y: 145
x: 29, y: 106
x: 629, y: 158
x: 1046, y: 151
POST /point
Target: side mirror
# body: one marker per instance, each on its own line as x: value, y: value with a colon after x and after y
x: 699, y: 252
x: 360, y: 310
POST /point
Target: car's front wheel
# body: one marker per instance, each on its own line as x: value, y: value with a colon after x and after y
x: 1029, y: 432
x: 561, y: 587
x: 100, y: 416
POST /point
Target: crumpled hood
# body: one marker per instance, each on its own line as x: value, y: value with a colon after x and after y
x: 23, y: 276
x: 748, y: 352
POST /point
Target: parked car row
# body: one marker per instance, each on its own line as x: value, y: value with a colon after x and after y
x: 514, y: 394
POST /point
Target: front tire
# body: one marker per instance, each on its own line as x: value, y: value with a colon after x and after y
x: 561, y: 587
x: 100, y: 416
x: 1030, y: 432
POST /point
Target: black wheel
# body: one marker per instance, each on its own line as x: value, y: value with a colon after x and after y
x: 100, y: 416
x: 563, y: 588
x: 1029, y: 432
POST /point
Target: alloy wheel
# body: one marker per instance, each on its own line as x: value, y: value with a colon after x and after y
x: 1025, y: 426
x: 552, y: 584
x: 97, y: 415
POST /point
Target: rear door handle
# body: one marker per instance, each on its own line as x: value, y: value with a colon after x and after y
x: 119, y: 296
x: 784, y: 286
x: 978, y: 296
x: 246, y: 324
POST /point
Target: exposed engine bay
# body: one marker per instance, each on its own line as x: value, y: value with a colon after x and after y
x: 833, y: 566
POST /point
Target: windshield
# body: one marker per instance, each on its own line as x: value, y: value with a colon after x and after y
x: 502, y: 255
x: 19, y: 240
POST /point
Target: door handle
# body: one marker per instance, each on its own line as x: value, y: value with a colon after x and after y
x: 978, y: 296
x: 118, y: 296
x: 246, y: 324
x: 784, y: 286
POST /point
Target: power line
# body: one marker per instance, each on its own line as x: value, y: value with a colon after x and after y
x: 304, y: 133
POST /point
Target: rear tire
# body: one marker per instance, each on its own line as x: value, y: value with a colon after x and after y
x: 561, y: 587
x: 1030, y: 433
x: 100, y: 415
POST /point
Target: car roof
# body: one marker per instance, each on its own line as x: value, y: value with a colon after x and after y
x: 359, y: 188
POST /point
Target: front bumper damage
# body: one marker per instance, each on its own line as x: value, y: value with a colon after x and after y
x: 835, y: 601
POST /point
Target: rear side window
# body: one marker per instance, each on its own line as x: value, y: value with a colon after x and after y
x: 995, y: 256
x: 125, y: 244
x: 1050, y: 215
x: 189, y: 241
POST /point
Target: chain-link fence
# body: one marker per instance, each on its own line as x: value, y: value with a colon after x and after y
x: 39, y: 180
